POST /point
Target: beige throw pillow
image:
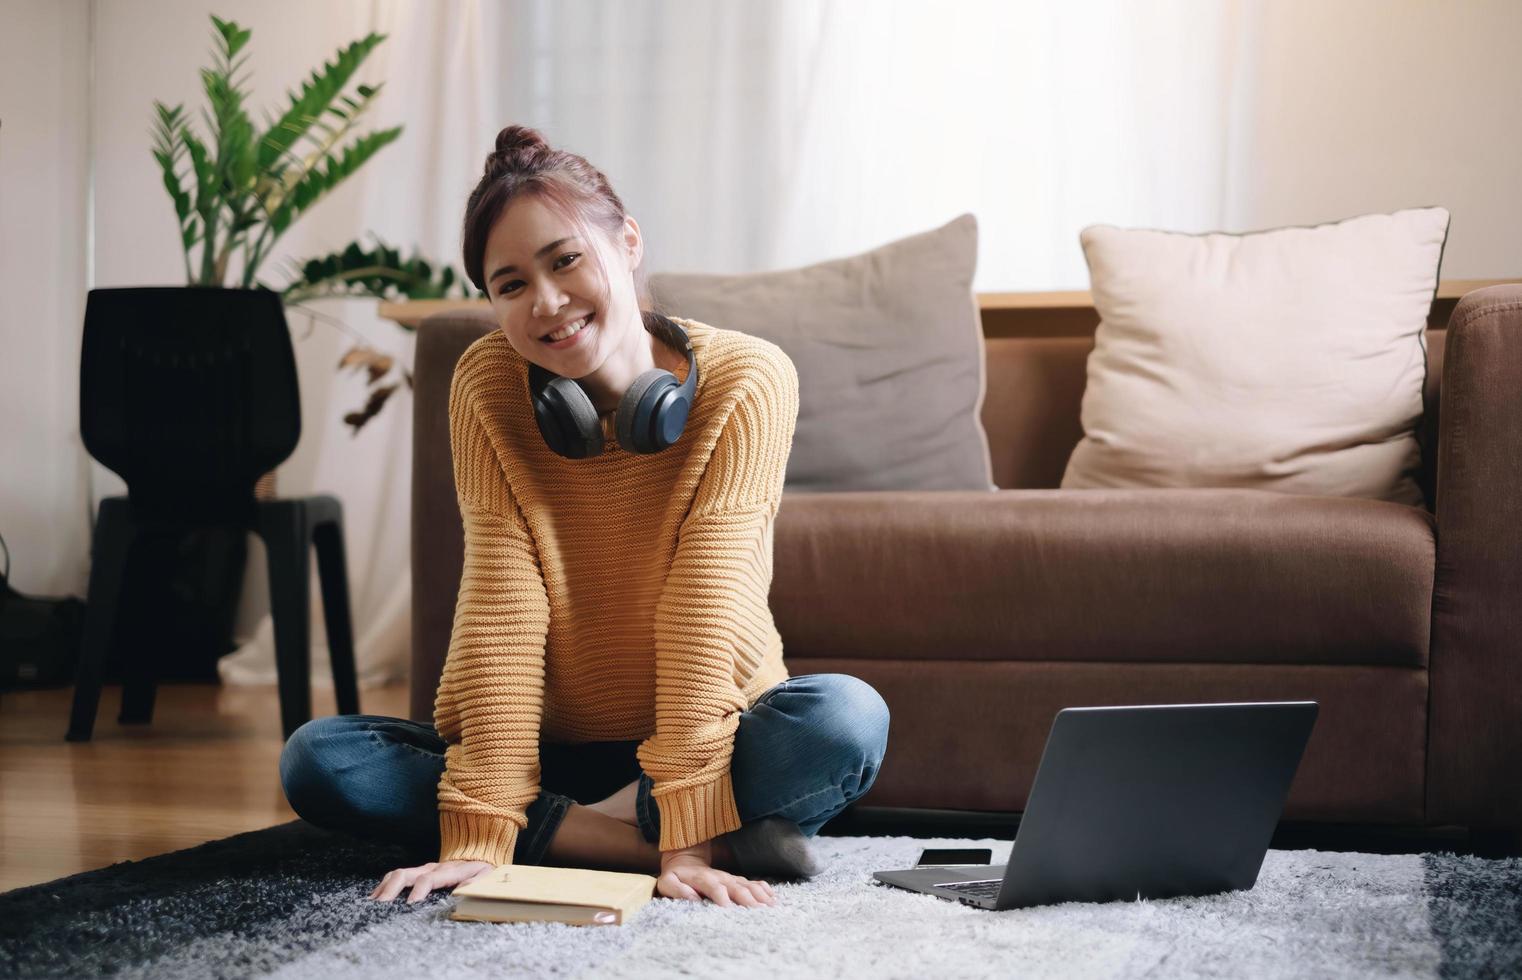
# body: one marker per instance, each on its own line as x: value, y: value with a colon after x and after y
x: 889, y: 351
x: 1289, y: 360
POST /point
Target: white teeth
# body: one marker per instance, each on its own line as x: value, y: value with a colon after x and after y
x: 563, y: 334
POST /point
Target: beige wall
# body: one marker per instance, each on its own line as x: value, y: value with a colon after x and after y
x: 44, y: 509
x: 1359, y: 106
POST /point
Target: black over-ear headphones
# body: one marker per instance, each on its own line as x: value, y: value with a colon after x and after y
x: 651, y: 414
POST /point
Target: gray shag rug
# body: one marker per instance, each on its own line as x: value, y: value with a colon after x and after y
x: 290, y: 902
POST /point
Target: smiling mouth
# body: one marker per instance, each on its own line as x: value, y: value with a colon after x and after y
x: 568, y: 331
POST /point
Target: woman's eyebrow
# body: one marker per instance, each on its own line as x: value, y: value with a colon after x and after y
x: 538, y: 255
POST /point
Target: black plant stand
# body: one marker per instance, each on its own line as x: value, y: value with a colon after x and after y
x: 289, y: 527
x: 190, y: 395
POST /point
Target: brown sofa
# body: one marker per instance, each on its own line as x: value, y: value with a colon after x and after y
x: 994, y: 610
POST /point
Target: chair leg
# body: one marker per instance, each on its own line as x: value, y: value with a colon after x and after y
x: 140, y: 688
x: 332, y: 573
x: 112, y: 543
x: 141, y: 666
x: 283, y: 526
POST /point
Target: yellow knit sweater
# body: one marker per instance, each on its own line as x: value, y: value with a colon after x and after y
x: 619, y: 597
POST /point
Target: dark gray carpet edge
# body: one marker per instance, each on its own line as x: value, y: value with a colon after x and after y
x: 247, y: 888
x: 1475, y: 906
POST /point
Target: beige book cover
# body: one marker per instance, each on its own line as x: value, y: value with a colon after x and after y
x: 526, y: 893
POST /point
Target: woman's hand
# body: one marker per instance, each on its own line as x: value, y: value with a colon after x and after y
x: 424, y: 879
x: 688, y: 874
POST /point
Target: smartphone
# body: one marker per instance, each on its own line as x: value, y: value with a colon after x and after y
x: 944, y: 856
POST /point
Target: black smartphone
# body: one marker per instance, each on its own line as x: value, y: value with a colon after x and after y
x: 942, y: 856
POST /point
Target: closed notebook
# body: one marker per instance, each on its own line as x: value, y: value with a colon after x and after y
x: 528, y: 893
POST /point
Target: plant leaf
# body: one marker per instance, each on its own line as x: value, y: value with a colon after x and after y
x: 201, y: 165
x: 377, y: 272
x: 373, y: 405
x: 314, y: 97
x: 319, y: 182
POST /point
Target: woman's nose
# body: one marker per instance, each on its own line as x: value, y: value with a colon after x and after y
x: 549, y: 300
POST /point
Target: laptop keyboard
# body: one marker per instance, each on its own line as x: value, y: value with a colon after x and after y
x: 975, y: 889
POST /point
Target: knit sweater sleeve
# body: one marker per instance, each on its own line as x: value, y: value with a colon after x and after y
x: 491, y: 693
x: 712, y: 607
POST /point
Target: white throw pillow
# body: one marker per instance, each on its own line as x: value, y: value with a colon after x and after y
x: 1289, y: 360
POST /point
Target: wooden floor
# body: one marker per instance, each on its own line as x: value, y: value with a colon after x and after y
x: 204, y: 768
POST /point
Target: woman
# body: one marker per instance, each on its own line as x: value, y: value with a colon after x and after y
x: 614, y: 694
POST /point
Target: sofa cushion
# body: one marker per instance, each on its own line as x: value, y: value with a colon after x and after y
x: 1287, y: 360
x: 1186, y: 576
x: 889, y: 350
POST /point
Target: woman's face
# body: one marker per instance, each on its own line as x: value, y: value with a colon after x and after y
x: 542, y: 278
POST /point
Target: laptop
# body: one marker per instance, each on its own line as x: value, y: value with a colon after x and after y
x: 1150, y: 801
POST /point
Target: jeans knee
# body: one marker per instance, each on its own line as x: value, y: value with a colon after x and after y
x: 858, y: 727
x: 304, y: 769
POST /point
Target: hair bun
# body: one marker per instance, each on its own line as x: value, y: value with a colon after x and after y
x: 519, y: 148
x: 515, y: 139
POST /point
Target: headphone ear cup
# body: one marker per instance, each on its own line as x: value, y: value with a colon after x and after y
x: 567, y: 420
x: 634, y: 423
x: 653, y: 411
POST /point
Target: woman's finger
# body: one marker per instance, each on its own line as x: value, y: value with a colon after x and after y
x: 673, y: 887
x: 389, y: 885
x: 421, y: 887
x: 716, y: 890
x: 398, y: 880
x: 740, y: 894
x: 385, y: 880
x: 758, y: 889
x: 743, y: 891
x: 402, y: 882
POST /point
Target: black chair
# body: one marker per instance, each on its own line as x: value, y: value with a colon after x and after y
x: 189, y: 394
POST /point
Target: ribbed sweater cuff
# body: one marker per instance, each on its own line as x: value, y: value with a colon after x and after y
x: 694, y: 814
x: 476, y: 837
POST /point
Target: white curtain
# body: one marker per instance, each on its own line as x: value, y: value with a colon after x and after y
x: 749, y: 136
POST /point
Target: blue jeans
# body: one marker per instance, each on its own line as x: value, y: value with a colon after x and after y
x: 806, y: 750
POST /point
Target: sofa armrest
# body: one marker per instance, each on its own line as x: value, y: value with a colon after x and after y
x: 1474, y: 756
x: 438, y: 538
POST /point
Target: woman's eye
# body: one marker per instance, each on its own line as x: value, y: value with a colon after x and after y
x: 567, y: 258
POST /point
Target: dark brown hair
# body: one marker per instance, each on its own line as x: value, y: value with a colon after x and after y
x: 523, y: 163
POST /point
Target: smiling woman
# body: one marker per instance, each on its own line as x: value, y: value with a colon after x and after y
x: 614, y: 693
